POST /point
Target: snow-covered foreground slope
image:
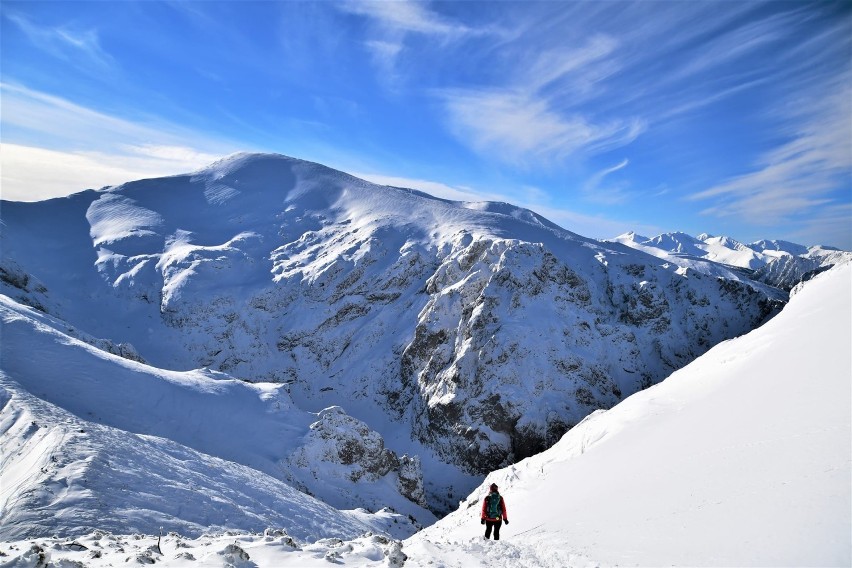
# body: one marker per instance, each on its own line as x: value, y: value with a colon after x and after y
x: 741, y: 458
x: 270, y: 549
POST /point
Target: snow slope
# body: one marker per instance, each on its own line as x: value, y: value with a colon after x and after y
x: 269, y: 549
x: 742, y: 458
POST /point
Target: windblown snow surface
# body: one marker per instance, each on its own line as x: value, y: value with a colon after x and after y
x: 741, y: 458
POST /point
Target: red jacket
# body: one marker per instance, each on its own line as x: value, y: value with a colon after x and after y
x: 502, y: 508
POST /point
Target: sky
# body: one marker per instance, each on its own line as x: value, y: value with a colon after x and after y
x: 730, y: 118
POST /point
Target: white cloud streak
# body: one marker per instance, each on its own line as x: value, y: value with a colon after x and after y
x: 72, y: 45
x: 54, y: 117
x: 586, y: 65
x: 34, y: 174
x: 609, y: 194
x: 41, y: 116
x: 735, y: 44
x: 405, y: 17
x: 394, y: 21
x: 796, y: 176
x: 53, y: 147
x: 525, y: 129
x: 529, y: 120
x: 537, y: 116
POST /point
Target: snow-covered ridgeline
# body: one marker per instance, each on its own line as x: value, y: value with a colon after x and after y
x: 780, y: 264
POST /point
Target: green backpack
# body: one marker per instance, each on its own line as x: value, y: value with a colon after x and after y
x: 492, y: 506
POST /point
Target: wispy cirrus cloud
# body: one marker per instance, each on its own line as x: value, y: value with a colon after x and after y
x: 32, y: 174
x: 526, y: 129
x: 733, y: 44
x: 531, y: 114
x: 81, y: 47
x: 405, y: 17
x: 804, y: 181
x: 393, y: 21
x: 41, y: 115
x: 610, y: 193
x: 540, y: 114
x: 29, y: 115
x: 586, y: 65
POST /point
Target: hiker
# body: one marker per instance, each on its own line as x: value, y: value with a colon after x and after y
x: 493, y: 512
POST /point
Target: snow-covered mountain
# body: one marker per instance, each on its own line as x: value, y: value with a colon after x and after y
x: 780, y: 264
x: 368, y: 345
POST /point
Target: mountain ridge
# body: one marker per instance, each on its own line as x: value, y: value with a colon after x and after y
x: 780, y: 264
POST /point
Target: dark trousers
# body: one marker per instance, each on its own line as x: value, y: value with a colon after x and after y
x: 493, y: 525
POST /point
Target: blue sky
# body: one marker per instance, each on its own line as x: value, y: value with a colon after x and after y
x: 731, y: 118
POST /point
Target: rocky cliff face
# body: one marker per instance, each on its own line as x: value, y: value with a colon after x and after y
x: 481, y: 331
x: 788, y: 270
x: 515, y: 346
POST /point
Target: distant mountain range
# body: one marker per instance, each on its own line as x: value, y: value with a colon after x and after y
x: 781, y: 264
x: 269, y: 325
